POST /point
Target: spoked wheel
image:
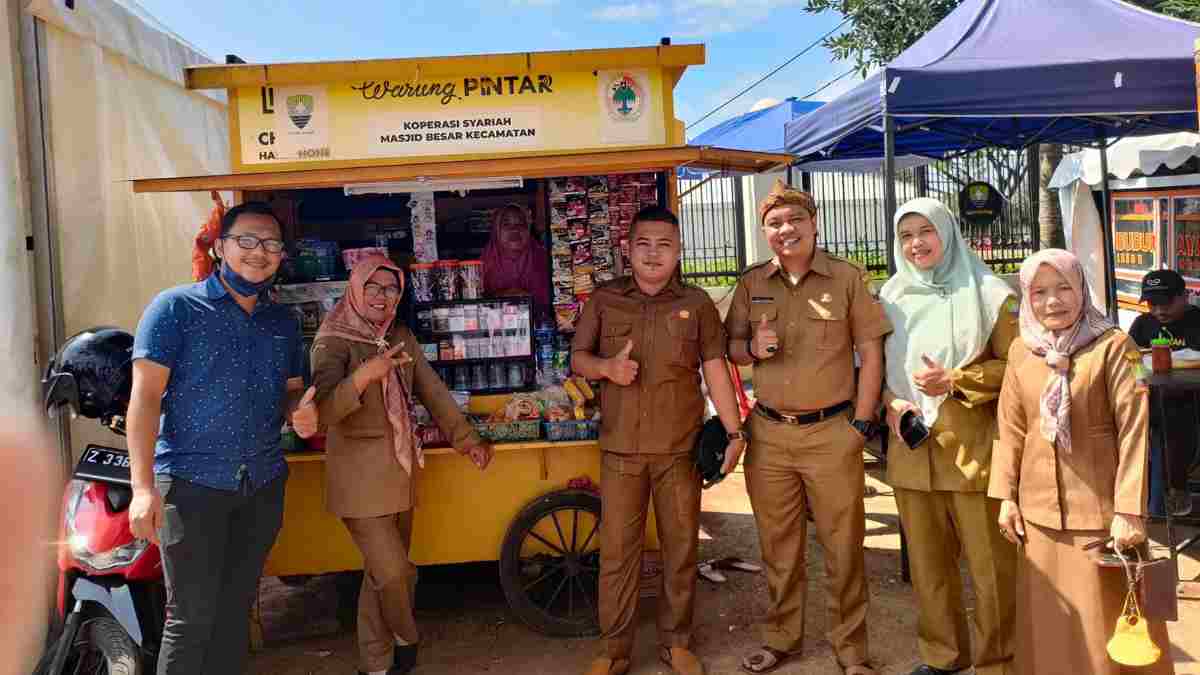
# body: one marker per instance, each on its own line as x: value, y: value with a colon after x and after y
x: 550, y: 564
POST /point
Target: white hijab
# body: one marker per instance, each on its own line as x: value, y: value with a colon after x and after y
x: 946, y: 313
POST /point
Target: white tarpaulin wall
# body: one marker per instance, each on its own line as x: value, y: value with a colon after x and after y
x: 118, y: 110
x: 1083, y: 229
x: 17, y: 312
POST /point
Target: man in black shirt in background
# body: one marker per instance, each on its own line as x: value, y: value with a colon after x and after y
x: 1173, y: 318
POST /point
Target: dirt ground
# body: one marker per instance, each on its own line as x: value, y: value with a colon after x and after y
x: 467, y: 628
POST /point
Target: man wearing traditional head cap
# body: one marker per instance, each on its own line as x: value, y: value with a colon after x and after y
x: 799, y: 319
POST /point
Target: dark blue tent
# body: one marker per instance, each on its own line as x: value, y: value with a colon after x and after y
x: 1012, y: 73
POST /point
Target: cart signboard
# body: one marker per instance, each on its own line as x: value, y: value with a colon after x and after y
x: 470, y: 114
x: 1136, y: 243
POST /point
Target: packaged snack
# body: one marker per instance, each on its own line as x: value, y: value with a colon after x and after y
x: 585, y: 387
x: 471, y: 273
x: 565, y: 316
x: 421, y: 276
x: 558, y: 187
x: 445, y: 279
x: 574, y: 391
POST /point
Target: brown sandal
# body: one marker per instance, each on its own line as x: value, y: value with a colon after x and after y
x: 681, y: 661
x: 605, y: 666
x: 764, y: 660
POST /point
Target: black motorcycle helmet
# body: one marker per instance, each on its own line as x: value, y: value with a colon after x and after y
x: 92, y: 374
x: 709, y: 453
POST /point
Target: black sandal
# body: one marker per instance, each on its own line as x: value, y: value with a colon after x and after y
x: 404, y: 659
x: 764, y: 660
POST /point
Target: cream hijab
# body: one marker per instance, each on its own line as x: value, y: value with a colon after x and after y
x: 946, y: 313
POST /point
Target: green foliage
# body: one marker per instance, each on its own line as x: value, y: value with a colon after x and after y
x: 1182, y: 9
x: 879, y: 30
x: 724, y: 272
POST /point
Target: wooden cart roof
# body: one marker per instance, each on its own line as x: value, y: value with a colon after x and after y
x: 535, y: 166
x: 671, y: 57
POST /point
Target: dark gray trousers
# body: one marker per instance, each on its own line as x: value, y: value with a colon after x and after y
x: 214, y: 544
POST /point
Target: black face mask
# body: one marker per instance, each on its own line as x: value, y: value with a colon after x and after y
x: 241, y: 285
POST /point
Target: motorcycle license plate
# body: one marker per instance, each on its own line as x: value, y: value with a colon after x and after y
x: 106, y: 465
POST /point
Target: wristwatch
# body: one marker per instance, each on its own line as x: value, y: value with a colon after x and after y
x: 865, y: 427
x: 738, y: 435
x: 750, y: 350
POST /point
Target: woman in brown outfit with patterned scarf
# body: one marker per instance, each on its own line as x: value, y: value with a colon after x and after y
x: 367, y: 367
x: 1070, y: 469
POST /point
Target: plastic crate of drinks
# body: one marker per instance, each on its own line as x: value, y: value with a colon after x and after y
x: 571, y: 430
x: 518, y: 431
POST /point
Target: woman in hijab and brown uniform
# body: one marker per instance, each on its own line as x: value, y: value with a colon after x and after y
x: 1070, y: 468
x: 367, y: 367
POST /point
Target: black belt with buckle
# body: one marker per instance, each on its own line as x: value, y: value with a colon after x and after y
x: 806, y: 418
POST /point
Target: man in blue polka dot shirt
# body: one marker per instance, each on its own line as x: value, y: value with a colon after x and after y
x: 217, y: 365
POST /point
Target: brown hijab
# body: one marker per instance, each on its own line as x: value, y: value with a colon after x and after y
x: 348, y: 321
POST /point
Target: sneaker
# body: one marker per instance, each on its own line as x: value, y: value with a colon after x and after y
x: 1179, y: 503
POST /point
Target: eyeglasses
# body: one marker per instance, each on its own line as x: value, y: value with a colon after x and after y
x: 797, y: 222
x: 251, y: 242
x: 372, y: 290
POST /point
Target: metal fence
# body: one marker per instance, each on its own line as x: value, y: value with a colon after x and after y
x: 712, y: 222
x: 852, y: 223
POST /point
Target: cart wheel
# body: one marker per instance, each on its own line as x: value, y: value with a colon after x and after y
x: 550, y: 564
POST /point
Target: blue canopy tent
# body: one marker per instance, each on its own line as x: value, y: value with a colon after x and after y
x: 1012, y: 73
x: 757, y: 131
x: 763, y: 131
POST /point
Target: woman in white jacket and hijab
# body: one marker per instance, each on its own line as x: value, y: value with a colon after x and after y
x: 954, y: 321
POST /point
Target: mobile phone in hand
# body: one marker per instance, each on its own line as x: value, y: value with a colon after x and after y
x: 913, y: 430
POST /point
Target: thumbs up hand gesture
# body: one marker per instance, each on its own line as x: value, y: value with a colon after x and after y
x: 620, y: 368
x: 933, y: 379
x: 765, y: 342
x: 304, y: 418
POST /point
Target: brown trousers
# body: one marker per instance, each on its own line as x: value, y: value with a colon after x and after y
x: 788, y: 466
x: 942, y: 528
x: 385, y: 604
x: 627, y: 483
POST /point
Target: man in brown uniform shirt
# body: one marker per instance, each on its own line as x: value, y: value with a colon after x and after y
x: 648, y: 337
x: 799, y: 318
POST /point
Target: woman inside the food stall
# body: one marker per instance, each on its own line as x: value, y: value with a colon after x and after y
x: 1070, y: 471
x: 514, y: 261
x: 367, y: 368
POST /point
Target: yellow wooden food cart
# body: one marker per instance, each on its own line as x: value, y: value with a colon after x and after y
x: 458, y: 125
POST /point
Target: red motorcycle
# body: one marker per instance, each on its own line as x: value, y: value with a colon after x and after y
x: 111, y: 602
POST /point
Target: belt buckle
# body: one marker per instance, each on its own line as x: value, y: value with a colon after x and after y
x: 790, y: 419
